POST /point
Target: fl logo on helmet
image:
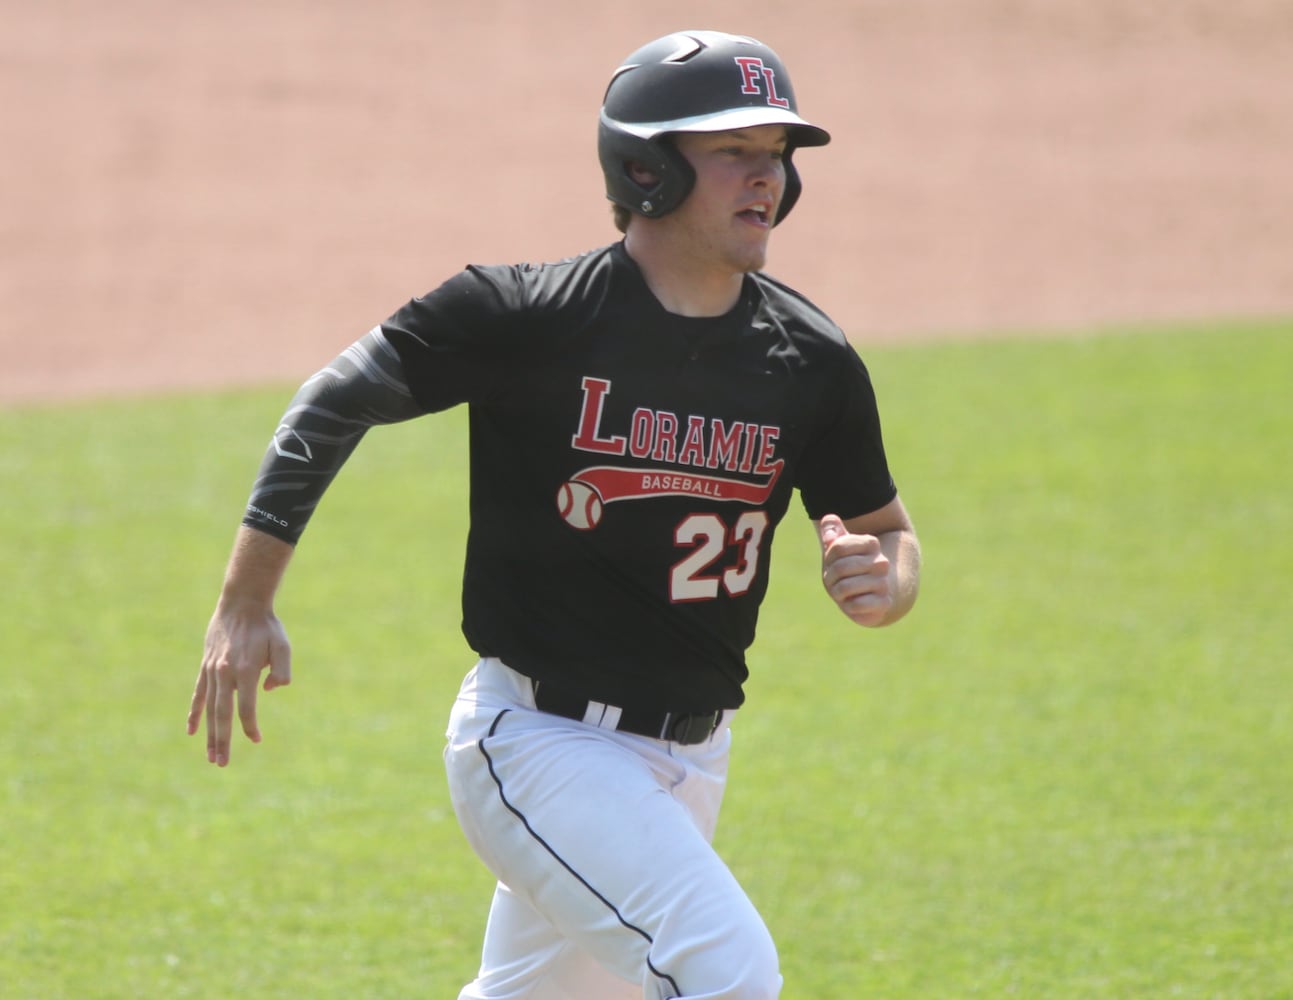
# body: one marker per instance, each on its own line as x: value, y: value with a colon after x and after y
x: 757, y: 78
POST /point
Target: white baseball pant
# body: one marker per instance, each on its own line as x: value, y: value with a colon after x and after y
x: 608, y: 888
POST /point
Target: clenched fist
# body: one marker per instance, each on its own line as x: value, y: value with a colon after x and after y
x: 855, y: 572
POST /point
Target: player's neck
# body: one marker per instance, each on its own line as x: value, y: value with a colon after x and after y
x: 683, y: 286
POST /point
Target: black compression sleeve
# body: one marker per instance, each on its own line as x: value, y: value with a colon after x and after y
x: 326, y: 419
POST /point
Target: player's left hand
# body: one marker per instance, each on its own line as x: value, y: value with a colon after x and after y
x: 240, y: 644
x: 855, y: 572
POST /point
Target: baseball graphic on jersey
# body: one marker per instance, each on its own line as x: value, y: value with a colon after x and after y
x: 579, y: 505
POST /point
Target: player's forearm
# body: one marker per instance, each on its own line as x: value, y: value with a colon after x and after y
x: 256, y: 568
x: 902, y: 548
x: 324, y: 423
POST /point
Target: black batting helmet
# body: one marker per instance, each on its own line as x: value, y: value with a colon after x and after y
x: 693, y: 81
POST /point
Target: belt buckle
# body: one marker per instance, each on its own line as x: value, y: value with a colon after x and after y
x: 690, y: 729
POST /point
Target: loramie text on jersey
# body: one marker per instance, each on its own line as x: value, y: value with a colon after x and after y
x: 658, y: 435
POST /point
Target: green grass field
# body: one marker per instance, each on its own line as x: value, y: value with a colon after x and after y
x: 1069, y: 774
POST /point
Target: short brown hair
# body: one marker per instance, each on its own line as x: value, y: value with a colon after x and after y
x: 621, y: 215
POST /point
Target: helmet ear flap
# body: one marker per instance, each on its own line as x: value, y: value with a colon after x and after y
x: 620, y: 152
x: 791, y: 190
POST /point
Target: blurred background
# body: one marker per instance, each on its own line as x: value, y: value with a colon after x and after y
x: 198, y: 195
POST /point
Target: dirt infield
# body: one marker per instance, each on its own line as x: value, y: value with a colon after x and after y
x: 202, y: 195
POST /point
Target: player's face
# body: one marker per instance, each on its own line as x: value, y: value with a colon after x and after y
x: 740, y: 177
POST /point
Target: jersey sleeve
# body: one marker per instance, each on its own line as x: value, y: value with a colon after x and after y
x: 844, y: 470
x: 463, y: 342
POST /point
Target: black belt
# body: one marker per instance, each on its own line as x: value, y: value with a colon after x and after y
x: 687, y: 728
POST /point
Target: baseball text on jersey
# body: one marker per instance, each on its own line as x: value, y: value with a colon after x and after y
x: 660, y: 436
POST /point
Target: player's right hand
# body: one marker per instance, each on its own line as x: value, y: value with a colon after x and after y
x: 240, y: 643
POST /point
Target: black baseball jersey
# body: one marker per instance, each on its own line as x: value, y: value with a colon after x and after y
x: 629, y: 466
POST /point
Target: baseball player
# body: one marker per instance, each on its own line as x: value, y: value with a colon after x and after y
x: 640, y: 417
